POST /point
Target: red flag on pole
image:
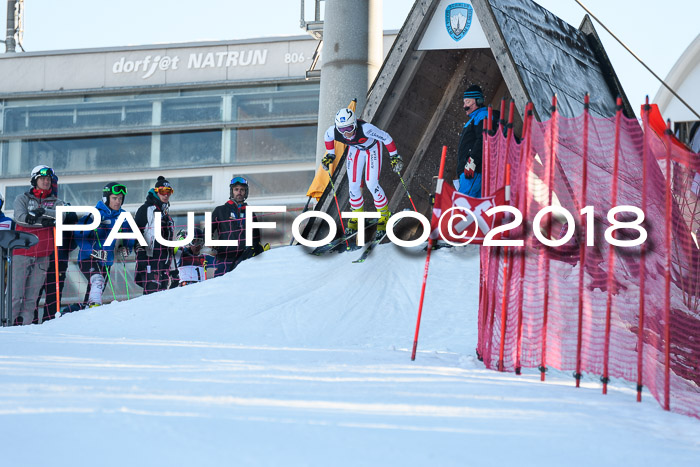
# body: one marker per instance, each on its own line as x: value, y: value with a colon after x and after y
x: 467, y: 216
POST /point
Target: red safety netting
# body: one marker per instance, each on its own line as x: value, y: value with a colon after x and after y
x: 630, y: 312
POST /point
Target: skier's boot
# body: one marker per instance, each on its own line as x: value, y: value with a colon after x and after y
x: 381, y: 225
x: 352, y: 223
x: 97, y: 283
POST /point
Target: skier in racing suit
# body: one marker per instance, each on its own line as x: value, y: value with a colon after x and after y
x: 364, y: 151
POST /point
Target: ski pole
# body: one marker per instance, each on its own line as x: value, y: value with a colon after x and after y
x: 58, y: 288
x: 337, y: 205
x: 109, y: 279
x: 409, y: 194
x: 126, y: 279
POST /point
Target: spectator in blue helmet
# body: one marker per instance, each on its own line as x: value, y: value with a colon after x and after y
x: 228, y: 221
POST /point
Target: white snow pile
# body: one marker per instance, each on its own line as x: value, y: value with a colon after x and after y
x: 294, y: 360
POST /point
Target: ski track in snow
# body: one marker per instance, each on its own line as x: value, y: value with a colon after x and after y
x: 300, y: 360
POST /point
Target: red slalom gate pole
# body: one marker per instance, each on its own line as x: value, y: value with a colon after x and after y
x: 552, y: 160
x: 667, y: 274
x: 642, y: 254
x: 506, y: 258
x: 496, y: 252
x: 526, y: 159
x: 611, y: 250
x: 486, y: 167
x: 504, y: 301
x: 484, y: 302
x: 582, y: 246
x: 438, y: 191
x: 58, y: 289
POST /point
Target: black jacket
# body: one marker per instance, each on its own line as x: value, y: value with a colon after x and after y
x: 229, y: 221
x: 145, y: 219
x: 471, y: 141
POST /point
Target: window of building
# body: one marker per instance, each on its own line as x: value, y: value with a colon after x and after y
x: 78, y: 155
x: 276, y: 105
x: 190, y: 149
x: 199, y: 109
x: 39, y: 119
x: 274, y: 144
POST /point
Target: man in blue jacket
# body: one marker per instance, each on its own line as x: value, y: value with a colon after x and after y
x: 469, y: 152
x: 95, y: 258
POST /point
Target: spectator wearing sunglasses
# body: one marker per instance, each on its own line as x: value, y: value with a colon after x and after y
x: 228, y: 221
x: 35, y: 212
x: 155, y: 262
x: 95, y: 258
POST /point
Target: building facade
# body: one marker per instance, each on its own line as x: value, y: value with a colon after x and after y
x: 196, y: 113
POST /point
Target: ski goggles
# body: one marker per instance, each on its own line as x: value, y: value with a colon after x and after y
x: 119, y: 190
x: 347, y: 129
x: 239, y: 181
x: 164, y: 190
x: 45, y: 172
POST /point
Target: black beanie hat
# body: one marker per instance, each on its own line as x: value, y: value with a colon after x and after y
x: 162, y: 182
x: 473, y: 92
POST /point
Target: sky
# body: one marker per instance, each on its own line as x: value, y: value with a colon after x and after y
x: 658, y: 32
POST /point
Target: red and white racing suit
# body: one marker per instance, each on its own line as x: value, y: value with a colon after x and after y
x: 364, y: 150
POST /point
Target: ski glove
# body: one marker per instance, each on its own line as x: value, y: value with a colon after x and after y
x: 327, y: 160
x: 33, y: 216
x: 469, y: 168
x: 123, y: 252
x: 396, y: 163
x: 99, y: 255
x: 48, y: 222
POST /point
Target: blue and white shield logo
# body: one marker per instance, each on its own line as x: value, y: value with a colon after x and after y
x: 458, y: 19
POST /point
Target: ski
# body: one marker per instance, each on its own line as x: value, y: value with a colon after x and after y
x: 377, y: 240
x: 340, y: 240
x: 378, y: 237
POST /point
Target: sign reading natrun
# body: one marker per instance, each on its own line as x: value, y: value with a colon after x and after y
x: 156, y: 66
x: 149, y: 64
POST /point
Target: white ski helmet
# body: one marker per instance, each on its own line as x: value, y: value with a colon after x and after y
x: 345, y: 118
x: 36, y: 173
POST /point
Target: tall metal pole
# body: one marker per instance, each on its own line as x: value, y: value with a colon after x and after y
x: 11, y: 26
x: 352, y: 56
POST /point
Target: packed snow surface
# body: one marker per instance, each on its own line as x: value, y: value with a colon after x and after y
x: 295, y: 360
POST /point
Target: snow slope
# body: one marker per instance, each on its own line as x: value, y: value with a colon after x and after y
x: 297, y: 360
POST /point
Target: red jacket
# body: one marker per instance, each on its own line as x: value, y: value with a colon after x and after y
x: 29, y: 201
x: 41, y: 249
